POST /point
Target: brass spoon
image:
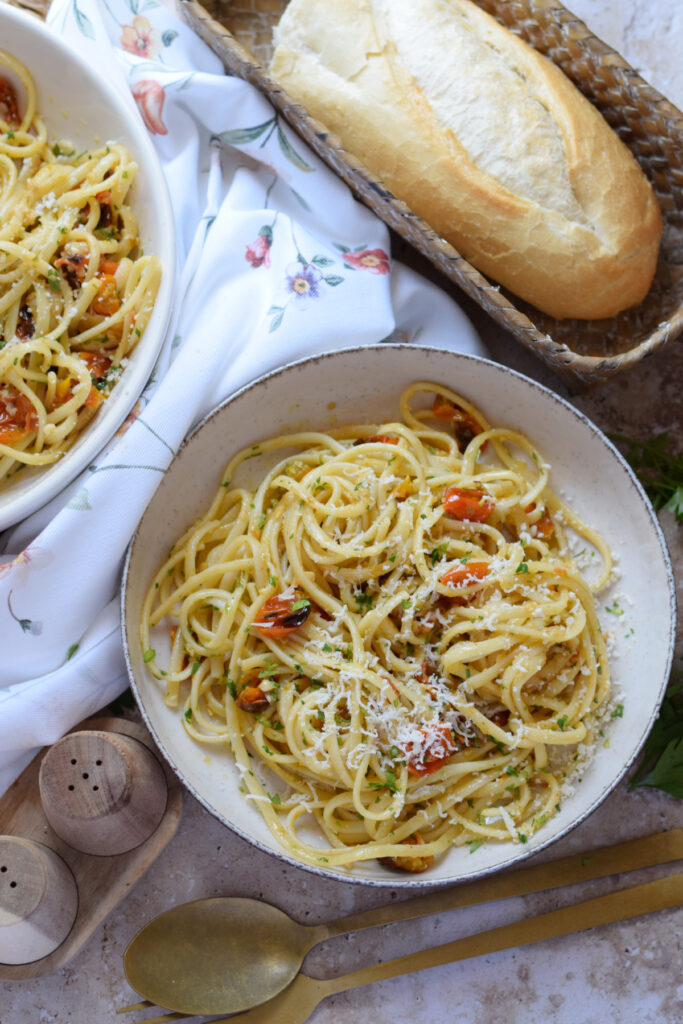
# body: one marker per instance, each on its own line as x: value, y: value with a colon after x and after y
x: 227, y: 954
x: 299, y: 1000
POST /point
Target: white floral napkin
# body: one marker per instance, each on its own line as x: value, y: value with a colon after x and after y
x: 276, y: 261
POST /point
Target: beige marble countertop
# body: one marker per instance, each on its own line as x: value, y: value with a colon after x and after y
x: 627, y: 973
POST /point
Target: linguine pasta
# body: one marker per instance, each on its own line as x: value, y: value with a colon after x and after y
x: 388, y: 633
x: 75, y: 291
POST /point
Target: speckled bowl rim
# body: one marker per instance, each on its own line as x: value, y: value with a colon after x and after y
x: 519, y: 854
x: 34, y: 491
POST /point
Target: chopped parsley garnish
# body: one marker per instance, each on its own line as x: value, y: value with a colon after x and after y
x: 149, y: 655
x: 303, y: 603
x: 389, y: 782
x: 437, y: 553
x: 188, y: 715
x: 522, y: 567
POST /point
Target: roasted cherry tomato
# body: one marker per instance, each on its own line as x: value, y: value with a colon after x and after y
x: 106, y: 210
x: 376, y: 439
x: 465, y: 575
x: 279, y: 616
x: 107, y: 301
x: 442, y: 743
x: 416, y: 864
x: 98, y: 363
x: 25, y: 327
x: 74, y: 266
x: 545, y: 527
x: 465, y: 426
x: 251, y: 697
x: 473, y: 505
x: 17, y: 416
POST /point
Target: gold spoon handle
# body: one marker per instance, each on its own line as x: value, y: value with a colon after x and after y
x: 608, y: 860
x: 295, y: 1004
x: 615, y: 906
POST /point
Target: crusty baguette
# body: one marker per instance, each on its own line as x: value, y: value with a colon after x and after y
x: 485, y: 139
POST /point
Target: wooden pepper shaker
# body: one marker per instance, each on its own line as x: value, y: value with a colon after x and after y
x: 38, y: 900
x: 103, y: 793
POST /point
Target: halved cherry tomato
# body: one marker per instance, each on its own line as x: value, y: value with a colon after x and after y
x: 465, y: 426
x: 465, y: 575
x: 545, y: 527
x: 98, y: 363
x: 25, y: 326
x: 106, y: 212
x: 442, y: 744
x: 415, y: 864
x: 376, y: 439
x: 17, y: 416
x: 94, y: 399
x: 74, y: 266
x: 107, y: 301
x: 251, y: 697
x: 107, y: 266
x: 279, y: 616
x: 473, y: 505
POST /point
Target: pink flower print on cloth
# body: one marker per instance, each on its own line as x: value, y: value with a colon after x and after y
x: 258, y: 253
x: 374, y: 260
x: 150, y: 96
x: 32, y: 559
x: 141, y: 39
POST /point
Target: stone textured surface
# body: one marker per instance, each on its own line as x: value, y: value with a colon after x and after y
x: 624, y: 973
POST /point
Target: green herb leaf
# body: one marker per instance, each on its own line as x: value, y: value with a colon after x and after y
x: 659, y: 470
x: 149, y: 655
x: 662, y: 763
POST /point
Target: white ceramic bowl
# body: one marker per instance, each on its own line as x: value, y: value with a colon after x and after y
x: 365, y: 384
x: 78, y: 103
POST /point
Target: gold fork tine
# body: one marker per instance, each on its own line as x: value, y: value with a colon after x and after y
x: 145, y: 1005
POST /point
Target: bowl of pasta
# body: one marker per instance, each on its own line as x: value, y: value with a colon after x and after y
x: 87, y: 262
x: 394, y: 625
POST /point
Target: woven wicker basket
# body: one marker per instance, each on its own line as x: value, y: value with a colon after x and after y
x: 586, y: 352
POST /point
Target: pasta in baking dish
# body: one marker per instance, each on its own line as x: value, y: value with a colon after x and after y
x: 76, y: 292
x: 389, y: 634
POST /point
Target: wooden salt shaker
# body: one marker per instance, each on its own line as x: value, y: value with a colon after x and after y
x: 38, y: 900
x: 103, y: 793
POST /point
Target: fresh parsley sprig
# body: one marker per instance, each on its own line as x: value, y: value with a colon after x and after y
x: 659, y: 470
x: 662, y: 763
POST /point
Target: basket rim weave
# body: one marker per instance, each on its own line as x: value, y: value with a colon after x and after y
x: 582, y: 369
